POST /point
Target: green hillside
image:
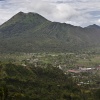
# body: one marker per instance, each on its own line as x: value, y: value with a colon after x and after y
x: 35, y: 83
x: 30, y: 32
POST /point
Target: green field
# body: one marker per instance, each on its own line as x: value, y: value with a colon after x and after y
x: 68, y: 59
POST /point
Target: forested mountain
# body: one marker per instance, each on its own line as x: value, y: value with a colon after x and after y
x: 30, y: 32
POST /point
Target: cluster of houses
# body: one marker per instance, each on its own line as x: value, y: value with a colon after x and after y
x: 82, y: 69
x: 83, y: 80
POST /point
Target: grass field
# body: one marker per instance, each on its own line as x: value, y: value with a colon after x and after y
x: 68, y: 59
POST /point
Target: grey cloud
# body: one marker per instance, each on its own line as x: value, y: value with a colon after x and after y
x: 53, y: 12
x: 88, y: 9
x: 76, y: 12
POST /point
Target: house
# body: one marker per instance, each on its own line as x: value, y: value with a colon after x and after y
x: 85, y: 69
x: 73, y: 71
x: 98, y: 68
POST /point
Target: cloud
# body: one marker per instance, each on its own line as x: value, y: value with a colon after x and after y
x: 76, y: 12
x: 98, y: 20
x: 53, y: 12
x: 89, y: 11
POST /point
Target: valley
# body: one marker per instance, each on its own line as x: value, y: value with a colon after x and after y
x: 44, y: 60
x: 32, y: 75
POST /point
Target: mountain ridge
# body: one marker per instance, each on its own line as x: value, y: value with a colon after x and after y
x: 30, y: 32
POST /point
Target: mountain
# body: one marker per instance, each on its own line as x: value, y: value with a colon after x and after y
x: 30, y: 32
x: 94, y: 26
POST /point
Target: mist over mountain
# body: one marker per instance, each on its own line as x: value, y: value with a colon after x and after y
x: 30, y: 32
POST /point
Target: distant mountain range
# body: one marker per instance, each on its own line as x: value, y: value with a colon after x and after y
x: 30, y: 32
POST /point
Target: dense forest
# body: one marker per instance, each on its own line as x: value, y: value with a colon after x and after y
x: 19, y: 82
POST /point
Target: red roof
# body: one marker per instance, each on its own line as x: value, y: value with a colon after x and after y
x: 73, y: 71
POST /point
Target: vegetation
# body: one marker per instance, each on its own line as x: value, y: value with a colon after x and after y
x: 35, y: 83
x: 33, y: 33
x: 45, y: 74
x: 69, y: 60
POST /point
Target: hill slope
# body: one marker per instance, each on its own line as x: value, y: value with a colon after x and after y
x: 34, y: 83
x: 30, y: 32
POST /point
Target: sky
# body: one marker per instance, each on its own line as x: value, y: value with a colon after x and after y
x: 75, y: 12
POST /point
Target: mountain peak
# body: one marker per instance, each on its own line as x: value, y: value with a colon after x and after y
x: 20, y: 13
x: 25, y: 18
x: 93, y: 26
x: 30, y: 15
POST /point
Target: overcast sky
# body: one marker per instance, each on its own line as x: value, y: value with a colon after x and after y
x: 75, y: 12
